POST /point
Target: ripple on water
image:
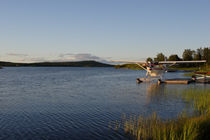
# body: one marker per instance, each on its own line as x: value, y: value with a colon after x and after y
x: 76, y: 103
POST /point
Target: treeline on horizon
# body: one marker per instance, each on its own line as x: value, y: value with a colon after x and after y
x: 187, y: 55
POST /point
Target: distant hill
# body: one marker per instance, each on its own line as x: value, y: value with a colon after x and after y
x: 56, y: 64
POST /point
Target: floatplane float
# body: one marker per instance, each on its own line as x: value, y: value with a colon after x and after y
x: 156, y: 71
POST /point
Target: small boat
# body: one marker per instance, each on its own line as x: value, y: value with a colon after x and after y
x: 202, y: 77
x: 203, y: 81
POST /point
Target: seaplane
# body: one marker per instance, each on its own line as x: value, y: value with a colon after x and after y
x: 156, y: 70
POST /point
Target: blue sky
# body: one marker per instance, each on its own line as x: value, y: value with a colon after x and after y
x: 65, y: 30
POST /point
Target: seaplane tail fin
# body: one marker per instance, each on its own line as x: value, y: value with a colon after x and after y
x: 182, y: 62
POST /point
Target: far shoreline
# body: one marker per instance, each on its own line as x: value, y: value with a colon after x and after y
x: 89, y: 63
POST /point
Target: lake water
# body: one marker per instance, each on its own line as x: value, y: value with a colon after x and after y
x: 79, y: 103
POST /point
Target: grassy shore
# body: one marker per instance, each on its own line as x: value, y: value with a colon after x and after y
x: 187, y: 126
x: 202, y: 69
x: 205, y: 69
x: 186, y: 68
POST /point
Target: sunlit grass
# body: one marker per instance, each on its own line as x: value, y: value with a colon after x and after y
x: 193, y: 126
x: 199, y: 100
x: 186, y: 68
x: 205, y: 68
x: 189, y: 74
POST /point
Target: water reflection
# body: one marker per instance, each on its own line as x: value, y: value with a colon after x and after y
x: 154, y: 92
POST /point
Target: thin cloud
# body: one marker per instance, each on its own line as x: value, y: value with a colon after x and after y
x: 85, y: 56
x: 17, y: 54
x: 35, y: 59
x: 65, y: 54
x: 38, y: 59
x: 79, y: 57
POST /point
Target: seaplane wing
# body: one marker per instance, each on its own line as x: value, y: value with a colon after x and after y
x: 181, y: 62
x: 134, y: 62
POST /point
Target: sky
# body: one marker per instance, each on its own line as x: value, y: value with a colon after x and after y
x: 74, y: 30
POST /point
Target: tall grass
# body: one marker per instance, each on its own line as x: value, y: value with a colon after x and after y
x: 194, y: 126
x: 199, y: 100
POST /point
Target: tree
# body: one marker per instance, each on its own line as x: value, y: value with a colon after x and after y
x: 187, y: 55
x: 149, y: 59
x: 206, y: 54
x: 198, y: 54
x: 160, y: 57
x: 174, y: 57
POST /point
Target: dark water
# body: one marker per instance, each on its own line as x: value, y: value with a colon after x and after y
x: 79, y: 103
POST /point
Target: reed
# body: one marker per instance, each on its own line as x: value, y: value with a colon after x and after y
x: 193, y: 126
x: 198, y: 100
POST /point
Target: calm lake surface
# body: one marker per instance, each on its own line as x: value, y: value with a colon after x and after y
x: 79, y: 103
